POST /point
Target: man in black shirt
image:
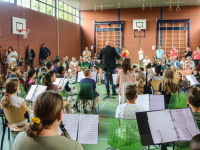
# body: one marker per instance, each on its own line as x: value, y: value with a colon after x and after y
x: 44, y: 53
x: 30, y: 56
x: 108, y: 55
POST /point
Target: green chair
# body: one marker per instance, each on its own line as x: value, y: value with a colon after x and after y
x: 39, y: 82
x: 124, y: 135
x: 64, y: 93
x: 23, y: 92
x: 85, y: 92
x: 178, y: 100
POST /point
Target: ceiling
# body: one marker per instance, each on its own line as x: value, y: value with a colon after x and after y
x: 113, y: 4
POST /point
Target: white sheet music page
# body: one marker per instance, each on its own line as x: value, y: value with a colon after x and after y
x: 143, y: 100
x: 31, y: 92
x: 114, y: 76
x: 192, y: 79
x: 88, y: 129
x: 80, y: 76
x: 38, y: 91
x: 62, y: 84
x: 184, y: 124
x: 94, y: 76
x: 57, y: 81
x: 161, y: 126
x: 71, y: 125
x: 157, y: 102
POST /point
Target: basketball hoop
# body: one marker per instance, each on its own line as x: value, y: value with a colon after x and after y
x: 26, y: 32
x: 139, y: 28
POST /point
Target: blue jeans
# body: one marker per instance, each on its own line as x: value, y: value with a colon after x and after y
x: 124, y: 58
x: 112, y: 71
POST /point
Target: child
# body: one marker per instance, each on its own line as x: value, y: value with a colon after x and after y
x: 193, y: 98
x: 10, y: 99
x: 30, y: 78
x: 95, y: 69
x: 25, y: 74
x: 168, y: 66
x: 196, y: 74
x: 195, y: 142
x: 49, y: 79
x: 71, y: 67
x: 49, y: 66
x: 100, y: 77
x: 141, y: 70
x: 87, y: 79
x: 28, y: 67
x: 128, y: 110
x: 146, y: 61
x: 182, y: 63
x: 14, y: 72
x: 78, y: 69
x: 135, y: 68
x: 56, y: 63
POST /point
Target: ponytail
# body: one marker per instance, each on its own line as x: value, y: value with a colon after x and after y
x: 33, y: 129
x: 47, y: 80
x: 140, y: 84
x: 6, y: 102
x: 31, y: 72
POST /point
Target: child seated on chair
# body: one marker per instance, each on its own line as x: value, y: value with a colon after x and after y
x: 100, y: 77
x: 30, y: 79
x: 87, y: 79
x: 128, y: 110
x: 10, y: 99
x: 49, y: 79
x: 193, y: 98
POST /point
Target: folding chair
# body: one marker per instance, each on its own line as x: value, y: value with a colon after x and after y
x: 124, y: 135
x: 155, y: 84
x: 13, y: 115
x: 85, y: 93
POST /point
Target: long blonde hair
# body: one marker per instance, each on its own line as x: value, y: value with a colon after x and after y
x: 176, y: 75
x: 168, y: 84
x: 140, y: 84
x: 11, y: 87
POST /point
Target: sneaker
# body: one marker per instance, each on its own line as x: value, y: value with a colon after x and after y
x: 114, y: 94
x: 93, y: 110
x: 75, y: 107
x: 84, y: 109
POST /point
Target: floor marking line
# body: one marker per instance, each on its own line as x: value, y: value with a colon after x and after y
x: 103, y: 105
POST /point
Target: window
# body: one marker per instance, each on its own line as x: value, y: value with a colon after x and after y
x: 26, y: 3
x: 34, y: 5
x: 42, y: 7
x: 60, y: 14
x: 19, y: 2
x: 49, y: 10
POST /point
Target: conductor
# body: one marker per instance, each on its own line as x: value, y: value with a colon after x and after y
x: 108, y: 55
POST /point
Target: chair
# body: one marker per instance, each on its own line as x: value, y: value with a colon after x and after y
x: 23, y: 92
x: 39, y: 82
x: 124, y: 135
x: 178, y: 100
x: 85, y: 92
x: 13, y: 115
x: 123, y: 97
x: 155, y: 84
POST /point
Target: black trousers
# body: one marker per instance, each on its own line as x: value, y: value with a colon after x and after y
x: 31, y: 63
x: 196, y: 62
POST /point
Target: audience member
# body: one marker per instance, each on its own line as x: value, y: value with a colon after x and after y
x: 158, y: 74
x: 74, y: 62
x: 85, y: 64
x: 64, y: 63
x: 118, y: 51
x: 56, y: 63
x: 175, y: 62
x: 67, y: 60
x: 92, y: 63
x: 174, y: 52
x: 189, y: 60
x: 44, y: 53
x: 151, y: 64
x: 86, y: 52
x: 159, y: 53
x: 125, y: 53
x: 100, y: 77
x: 80, y: 60
x: 163, y: 64
x: 146, y: 61
x: 196, y: 55
x: 188, y: 52
x: 140, y: 53
x: 128, y: 110
x: 30, y: 56
x: 182, y: 62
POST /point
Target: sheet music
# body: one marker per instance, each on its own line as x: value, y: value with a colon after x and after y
x: 192, y: 80
x: 38, y: 91
x: 184, y: 124
x: 80, y: 76
x: 94, y: 76
x: 88, y: 129
x: 114, y: 76
x: 71, y: 125
x: 157, y: 102
x: 153, y: 71
x: 31, y: 92
x: 63, y: 84
x: 143, y: 100
x: 161, y: 126
x: 58, y: 81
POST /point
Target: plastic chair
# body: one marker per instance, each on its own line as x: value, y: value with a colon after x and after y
x: 178, y: 100
x: 63, y: 93
x: 39, y: 82
x: 155, y: 84
x: 23, y: 92
x: 124, y: 135
x: 13, y: 115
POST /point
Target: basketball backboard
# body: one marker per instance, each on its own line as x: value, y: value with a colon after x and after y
x: 18, y: 24
x: 139, y: 22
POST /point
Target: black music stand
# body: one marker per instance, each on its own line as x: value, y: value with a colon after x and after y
x: 108, y: 66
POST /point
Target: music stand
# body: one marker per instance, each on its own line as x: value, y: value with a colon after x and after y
x: 108, y: 66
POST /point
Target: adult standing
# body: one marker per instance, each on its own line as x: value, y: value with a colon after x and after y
x: 118, y: 51
x: 10, y: 56
x: 30, y: 56
x: 196, y: 56
x: 44, y: 53
x: 174, y: 52
x: 125, y: 53
x: 140, y: 53
x: 159, y: 52
x: 188, y: 52
x: 108, y: 55
x: 86, y: 52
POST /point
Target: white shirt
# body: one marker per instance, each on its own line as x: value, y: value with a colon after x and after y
x: 127, y: 111
x: 140, y: 55
x: 146, y: 61
x: 9, y: 58
x: 75, y: 64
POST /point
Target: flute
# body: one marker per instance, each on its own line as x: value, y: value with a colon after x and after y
x: 65, y: 133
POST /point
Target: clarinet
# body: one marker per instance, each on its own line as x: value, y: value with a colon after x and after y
x: 65, y: 133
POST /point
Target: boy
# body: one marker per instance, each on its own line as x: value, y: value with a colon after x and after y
x: 49, y: 67
x: 128, y: 110
x: 56, y: 63
x: 87, y: 79
x: 193, y: 98
x: 14, y: 72
x: 141, y: 70
x: 135, y: 68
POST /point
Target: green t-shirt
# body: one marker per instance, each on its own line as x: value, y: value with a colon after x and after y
x: 85, y: 64
x: 23, y: 142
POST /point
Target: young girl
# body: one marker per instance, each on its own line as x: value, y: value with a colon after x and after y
x: 186, y: 71
x: 176, y: 74
x: 10, y: 99
x: 49, y: 79
x: 100, y: 76
x: 95, y: 69
x: 29, y: 79
x: 146, y: 61
x: 141, y: 87
x: 140, y: 53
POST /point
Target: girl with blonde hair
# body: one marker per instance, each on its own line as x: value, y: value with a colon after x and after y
x: 176, y: 74
x: 141, y: 87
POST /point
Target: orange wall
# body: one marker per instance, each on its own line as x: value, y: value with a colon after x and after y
x: 43, y: 29
x: 127, y: 15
